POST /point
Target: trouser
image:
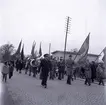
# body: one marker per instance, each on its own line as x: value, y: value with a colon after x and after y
x: 44, y: 79
x: 88, y: 80
x: 40, y: 75
x: 34, y: 72
x: 10, y: 74
x: 74, y: 74
x: 56, y: 74
x: 69, y: 78
x: 61, y: 75
x: 92, y: 80
x: 26, y: 70
x: 30, y: 71
x: 20, y: 71
x: 4, y: 77
x: 51, y: 74
x: 101, y: 81
x: 17, y: 69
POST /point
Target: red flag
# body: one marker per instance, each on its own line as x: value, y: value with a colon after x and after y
x: 104, y: 51
x: 104, y: 60
x: 84, y: 49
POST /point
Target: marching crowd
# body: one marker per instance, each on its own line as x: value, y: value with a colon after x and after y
x: 50, y: 67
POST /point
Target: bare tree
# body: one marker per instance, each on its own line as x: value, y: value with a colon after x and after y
x: 74, y: 50
x: 6, y: 51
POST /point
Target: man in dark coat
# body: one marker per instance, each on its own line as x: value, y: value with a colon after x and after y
x: 11, y: 69
x: 20, y: 66
x: 93, y: 71
x: 17, y: 65
x: 45, y: 66
x: 27, y: 66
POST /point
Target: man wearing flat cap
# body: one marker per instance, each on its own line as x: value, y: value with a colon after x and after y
x: 45, y: 67
x: 69, y: 69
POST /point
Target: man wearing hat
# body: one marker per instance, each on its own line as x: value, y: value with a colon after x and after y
x: 45, y: 66
x: 61, y: 68
x: 69, y: 69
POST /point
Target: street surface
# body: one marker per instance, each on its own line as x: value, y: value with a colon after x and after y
x: 26, y: 90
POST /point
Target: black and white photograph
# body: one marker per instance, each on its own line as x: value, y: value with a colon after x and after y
x: 52, y: 52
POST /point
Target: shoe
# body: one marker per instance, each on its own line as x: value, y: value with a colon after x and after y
x: 69, y: 83
x: 45, y: 86
x: 89, y: 84
x: 103, y: 84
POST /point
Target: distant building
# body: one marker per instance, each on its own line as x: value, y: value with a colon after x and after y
x: 58, y: 54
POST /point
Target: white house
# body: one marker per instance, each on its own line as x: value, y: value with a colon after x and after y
x: 58, y: 54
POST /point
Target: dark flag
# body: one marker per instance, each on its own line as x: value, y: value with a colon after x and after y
x: 104, y: 60
x: 40, y: 51
x: 22, y: 53
x: 17, y: 53
x: 33, y: 48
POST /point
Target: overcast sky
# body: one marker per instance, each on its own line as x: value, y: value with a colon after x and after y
x: 45, y: 21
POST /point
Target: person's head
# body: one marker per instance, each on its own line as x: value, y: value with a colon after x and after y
x: 70, y: 56
x: 51, y: 57
x: 101, y: 64
x: 47, y: 56
x: 86, y: 62
x: 55, y: 58
x: 5, y: 63
x: 61, y: 58
x: 93, y: 62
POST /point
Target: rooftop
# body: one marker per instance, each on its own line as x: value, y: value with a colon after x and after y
x: 74, y: 53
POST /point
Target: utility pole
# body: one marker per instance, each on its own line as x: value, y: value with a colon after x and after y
x: 67, y: 31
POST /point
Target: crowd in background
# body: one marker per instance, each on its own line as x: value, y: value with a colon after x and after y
x: 50, y: 67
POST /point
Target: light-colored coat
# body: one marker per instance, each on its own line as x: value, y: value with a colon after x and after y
x: 69, y: 67
x: 100, y: 72
x: 87, y: 71
x: 5, y: 69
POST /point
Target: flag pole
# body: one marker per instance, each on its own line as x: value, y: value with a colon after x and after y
x: 49, y: 48
x: 99, y: 55
x: 81, y: 47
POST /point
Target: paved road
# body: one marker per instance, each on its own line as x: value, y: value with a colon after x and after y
x: 5, y: 99
x: 26, y: 90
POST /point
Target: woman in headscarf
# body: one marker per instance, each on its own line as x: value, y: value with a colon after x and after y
x: 5, y: 71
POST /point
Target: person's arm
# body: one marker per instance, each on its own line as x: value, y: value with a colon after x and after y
x: 40, y: 66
